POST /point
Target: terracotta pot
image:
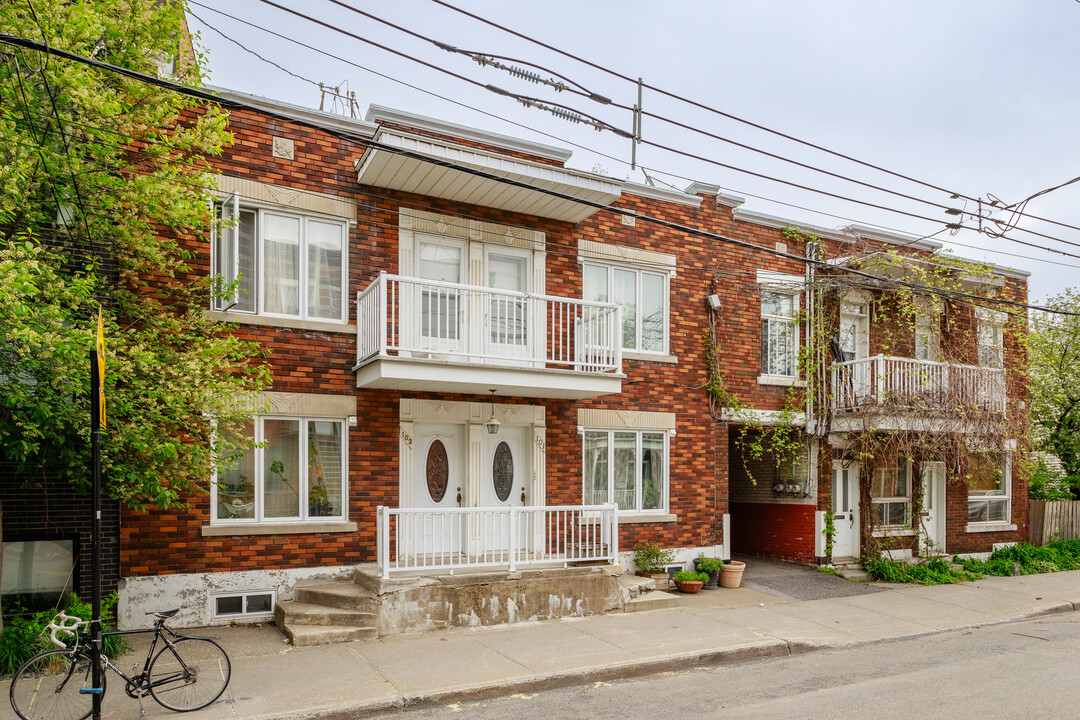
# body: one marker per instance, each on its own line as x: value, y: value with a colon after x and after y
x: 689, y: 586
x: 731, y: 575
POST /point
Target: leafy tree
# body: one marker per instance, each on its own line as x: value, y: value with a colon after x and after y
x: 1054, y: 344
x: 101, y: 176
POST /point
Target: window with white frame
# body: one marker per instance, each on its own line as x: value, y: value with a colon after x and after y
x: 990, y: 335
x: 927, y: 329
x: 280, y: 263
x: 779, y: 332
x: 643, y: 296
x: 626, y: 467
x: 988, y: 488
x: 890, y: 495
x: 251, y: 605
x: 295, y: 472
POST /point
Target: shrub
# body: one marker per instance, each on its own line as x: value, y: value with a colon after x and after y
x: 934, y: 572
x: 651, y: 558
x: 687, y: 576
x: 708, y: 564
x: 26, y: 635
x: 1045, y: 483
x: 1032, y: 559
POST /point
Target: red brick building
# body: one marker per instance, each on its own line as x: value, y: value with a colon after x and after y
x: 442, y: 342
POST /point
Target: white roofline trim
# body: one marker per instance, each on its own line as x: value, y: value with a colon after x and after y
x: 729, y: 200
x: 775, y: 221
x: 506, y: 142
x: 304, y: 114
x: 655, y: 193
x: 701, y: 188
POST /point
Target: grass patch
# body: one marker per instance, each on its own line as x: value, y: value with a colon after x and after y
x: 1032, y: 559
x: 933, y: 572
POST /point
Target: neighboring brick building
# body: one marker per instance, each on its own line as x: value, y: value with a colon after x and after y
x: 406, y: 307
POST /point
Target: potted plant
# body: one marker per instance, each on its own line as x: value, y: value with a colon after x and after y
x: 650, y: 560
x: 709, y: 566
x: 731, y: 573
x: 690, y: 582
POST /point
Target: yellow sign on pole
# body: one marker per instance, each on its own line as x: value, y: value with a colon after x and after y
x: 101, y: 366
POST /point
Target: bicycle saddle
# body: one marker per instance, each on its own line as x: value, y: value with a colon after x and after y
x: 164, y: 614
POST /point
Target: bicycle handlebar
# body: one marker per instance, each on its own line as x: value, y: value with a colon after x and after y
x: 69, y: 625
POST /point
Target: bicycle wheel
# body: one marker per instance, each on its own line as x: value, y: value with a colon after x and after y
x: 190, y: 675
x: 47, y: 686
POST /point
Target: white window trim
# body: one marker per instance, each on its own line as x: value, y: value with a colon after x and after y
x: 890, y: 530
x: 260, y: 209
x: 303, y: 523
x: 996, y: 320
x: 661, y: 514
x: 610, y: 267
x: 792, y: 285
x: 1006, y: 483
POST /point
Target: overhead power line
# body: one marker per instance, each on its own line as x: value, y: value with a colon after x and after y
x: 420, y: 157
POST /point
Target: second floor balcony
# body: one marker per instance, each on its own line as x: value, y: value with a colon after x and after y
x: 428, y: 335
x: 908, y: 393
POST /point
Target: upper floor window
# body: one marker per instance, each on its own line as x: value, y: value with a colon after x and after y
x: 990, y: 335
x: 927, y: 329
x: 295, y: 472
x: 280, y: 263
x: 643, y: 296
x: 779, y: 332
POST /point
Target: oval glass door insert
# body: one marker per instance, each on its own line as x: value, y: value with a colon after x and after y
x: 438, y: 471
x: 502, y: 471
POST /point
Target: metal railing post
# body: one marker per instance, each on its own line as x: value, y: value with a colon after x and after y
x: 382, y: 312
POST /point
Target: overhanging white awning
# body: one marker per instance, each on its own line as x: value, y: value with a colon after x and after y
x: 386, y: 169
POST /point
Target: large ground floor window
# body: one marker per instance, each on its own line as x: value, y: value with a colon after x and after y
x: 626, y: 467
x: 295, y: 472
x: 988, y: 488
x: 890, y: 495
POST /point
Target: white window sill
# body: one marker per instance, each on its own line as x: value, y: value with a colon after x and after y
x: 781, y: 380
x: 893, y: 532
x: 322, y: 326
x: 649, y: 357
x: 631, y: 518
x: 989, y: 527
x: 298, y: 528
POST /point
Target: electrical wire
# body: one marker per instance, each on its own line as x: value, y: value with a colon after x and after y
x: 721, y: 113
x: 420, y: 157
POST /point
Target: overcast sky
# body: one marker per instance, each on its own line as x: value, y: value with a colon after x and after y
x: 977, y: 97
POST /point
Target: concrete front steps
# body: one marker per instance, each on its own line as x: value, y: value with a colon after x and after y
x: 325, y: 614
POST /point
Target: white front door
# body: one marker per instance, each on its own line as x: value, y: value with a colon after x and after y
x: 505, y: 483
x: 845, y: 507
x: 932, y: 521
x: 438, y: 484
x: 440, y: 309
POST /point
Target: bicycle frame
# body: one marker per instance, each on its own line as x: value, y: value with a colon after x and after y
x: 139, y: 682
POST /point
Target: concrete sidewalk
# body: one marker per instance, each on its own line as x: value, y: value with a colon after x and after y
x: 272, y: 679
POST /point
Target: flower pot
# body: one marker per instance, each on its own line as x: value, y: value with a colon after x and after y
x: 731, y: 575
x: 689, y: 586
x: 713, y: 576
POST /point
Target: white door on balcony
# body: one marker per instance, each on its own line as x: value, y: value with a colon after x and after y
x: 845, y: 507
x: 507, y: 322
x: 438, y: 484
x: 932, y: 522
x: 440, y: 310
x: 855, y: 345
x: 505, y: 483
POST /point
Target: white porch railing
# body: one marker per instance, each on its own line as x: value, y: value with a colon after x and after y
x: 495, y: 537
x: 426, y: 318
x: 907, y: 382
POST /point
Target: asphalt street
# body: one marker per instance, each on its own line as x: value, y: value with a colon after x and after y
x: 1012, y: 670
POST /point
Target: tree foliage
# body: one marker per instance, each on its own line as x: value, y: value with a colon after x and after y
x: 100, y: 176
x: 1054, y: 345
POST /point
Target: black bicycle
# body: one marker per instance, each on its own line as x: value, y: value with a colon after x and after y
x: 188, y: 673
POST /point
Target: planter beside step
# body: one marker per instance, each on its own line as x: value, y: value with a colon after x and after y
x: 731, y: 574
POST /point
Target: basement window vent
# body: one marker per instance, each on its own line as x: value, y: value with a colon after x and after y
x: 252, y: 605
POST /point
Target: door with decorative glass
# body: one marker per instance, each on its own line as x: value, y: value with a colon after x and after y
x: 438, y: 484
x: 504, y: 483
x: 845, y: 508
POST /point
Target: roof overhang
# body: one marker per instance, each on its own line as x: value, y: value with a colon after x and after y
x: 384, y: 168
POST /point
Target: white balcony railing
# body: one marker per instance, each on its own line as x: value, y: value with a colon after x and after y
x: 445, y: 540
x: 414, y: 317
x: 909, y: 383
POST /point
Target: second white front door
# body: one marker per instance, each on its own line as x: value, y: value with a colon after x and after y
x: 505, y: 483
x: 845, y: 508
x: 932, y: 521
